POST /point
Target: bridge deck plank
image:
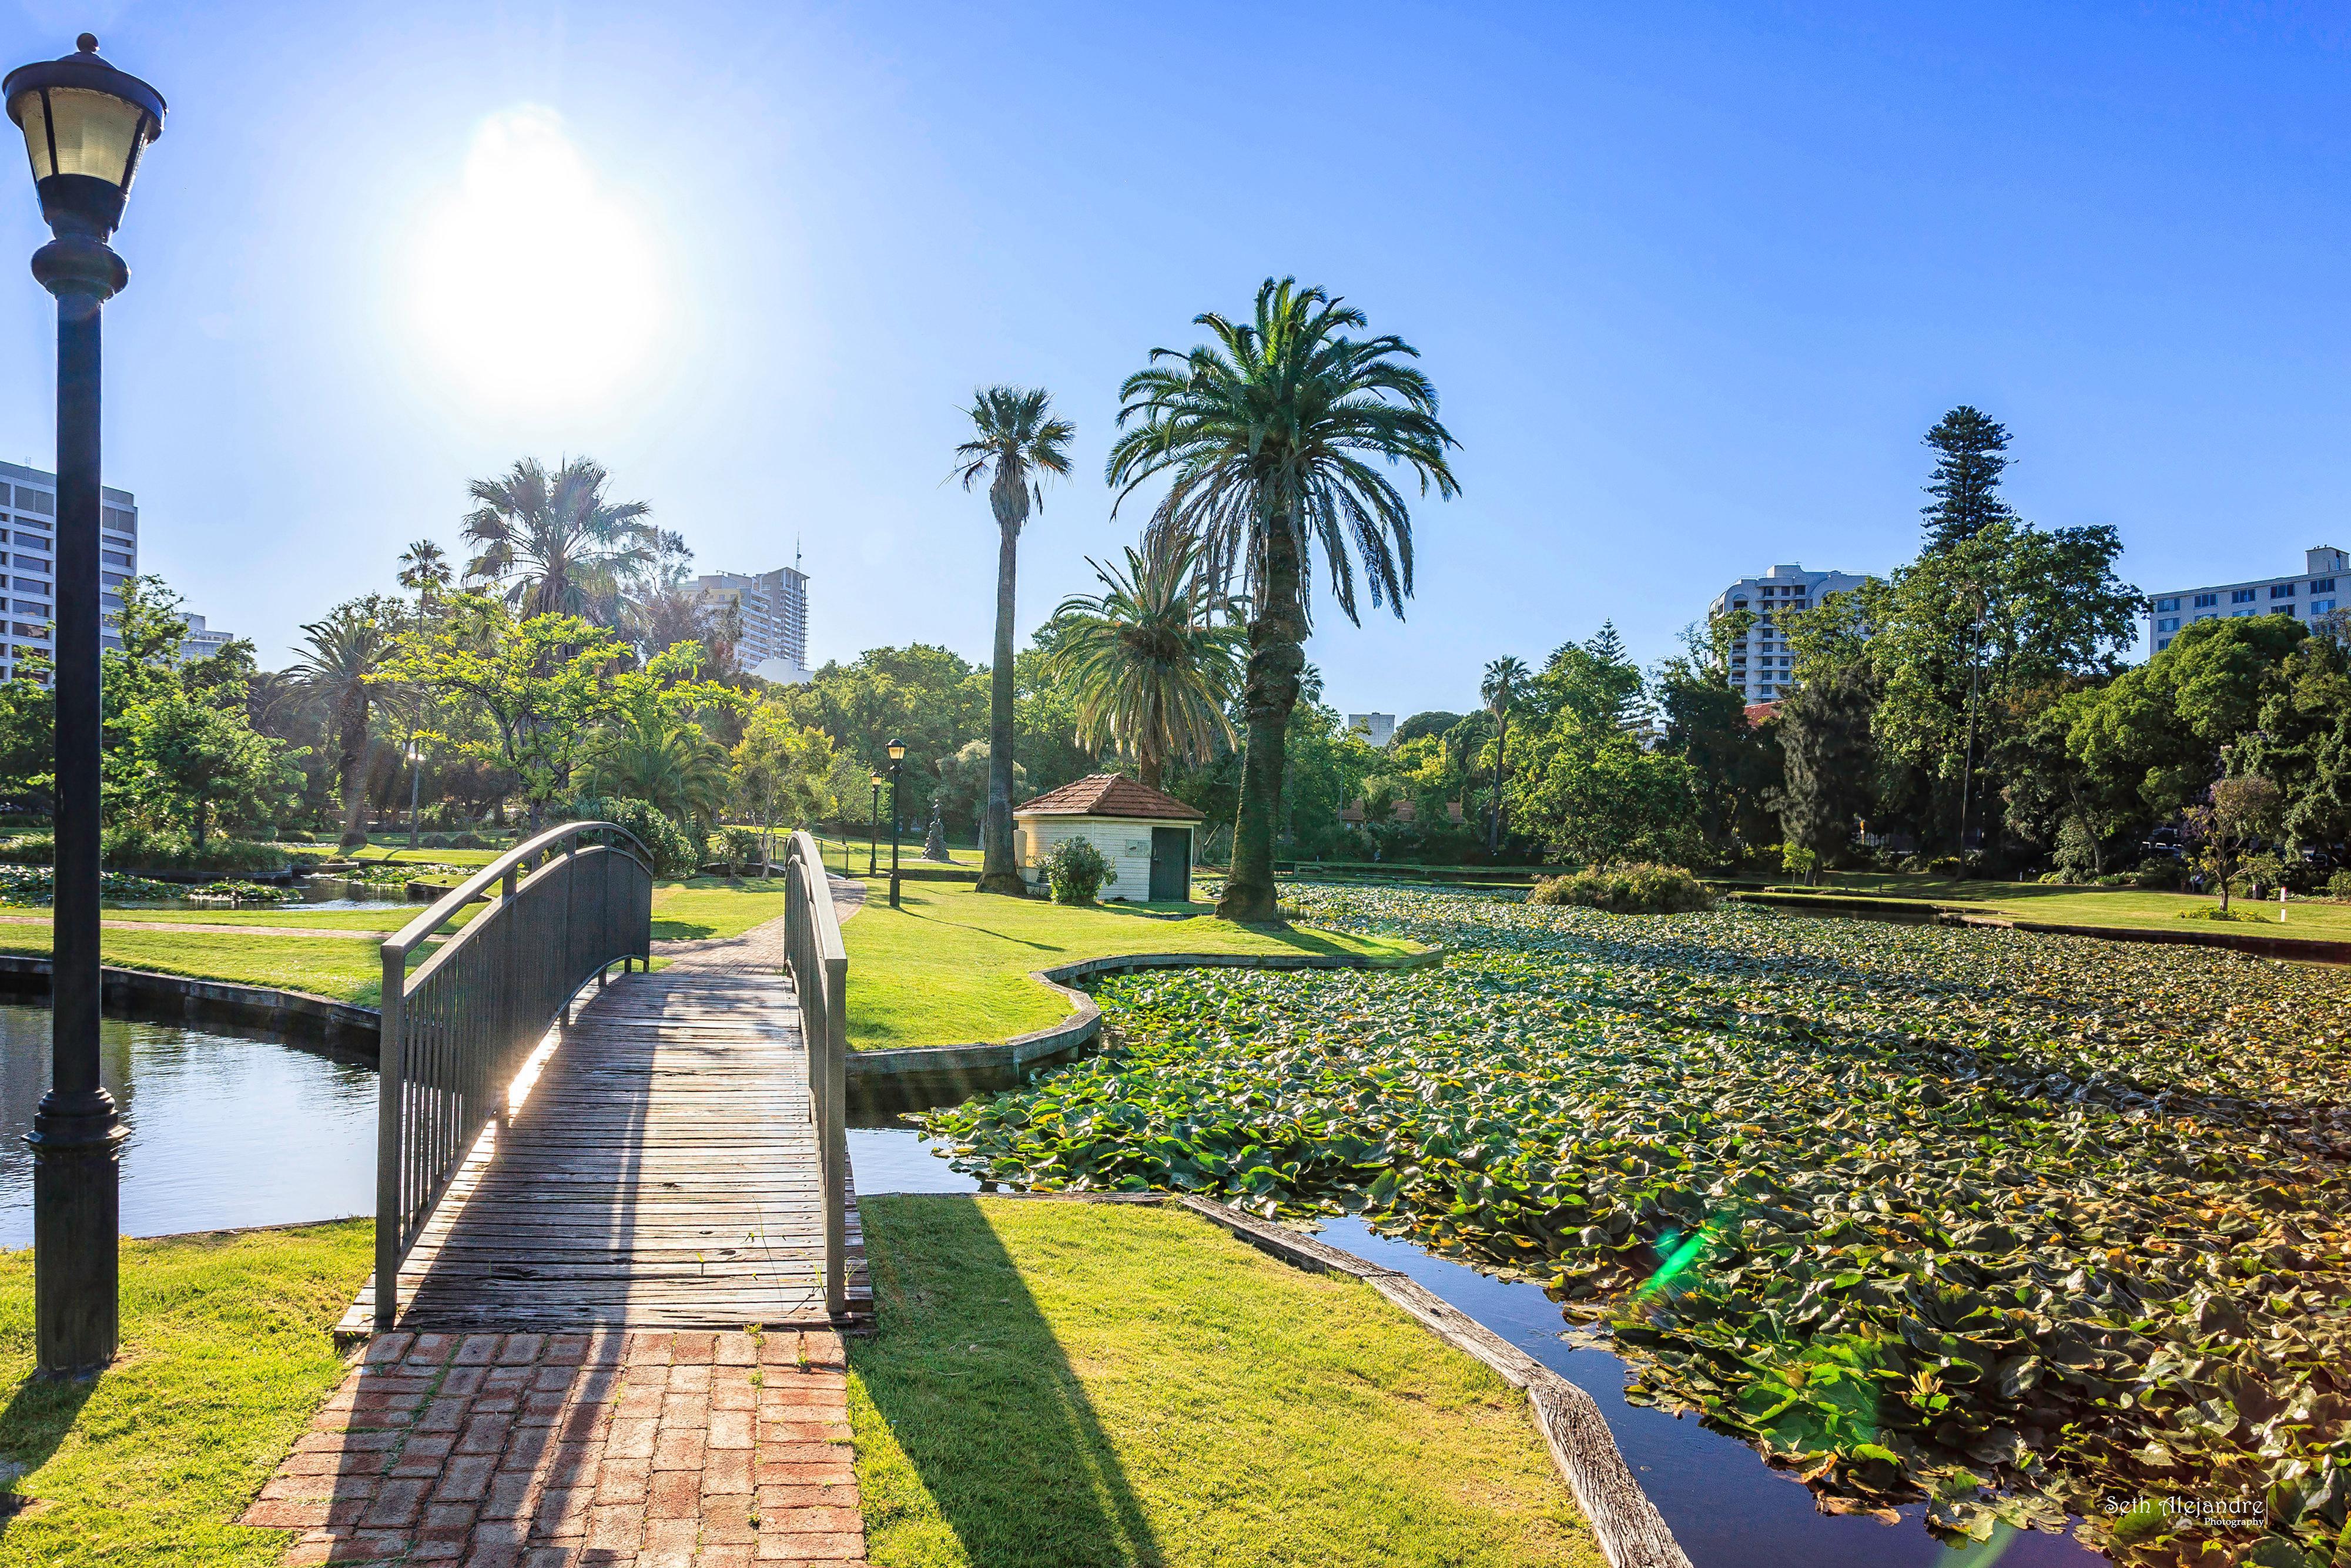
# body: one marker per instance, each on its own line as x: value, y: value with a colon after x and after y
x: 660, y: 1172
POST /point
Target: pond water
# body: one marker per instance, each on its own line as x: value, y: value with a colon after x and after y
x: 1727, y: 1508
x: 226, y: 1130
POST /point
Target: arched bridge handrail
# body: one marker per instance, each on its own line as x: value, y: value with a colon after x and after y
x: 459, y: 1027
x: 819, y: 965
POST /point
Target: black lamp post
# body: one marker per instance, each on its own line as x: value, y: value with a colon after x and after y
x: 873, y: 829
x: 416, y: 779
x: 85, y: 124
x: 897, y: 756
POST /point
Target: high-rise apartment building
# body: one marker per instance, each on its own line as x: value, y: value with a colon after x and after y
x: 1374, y: 729
x: 1761, y: 663
x: 29, y: 516
x: 774, y: 606
x: 2316, y: 590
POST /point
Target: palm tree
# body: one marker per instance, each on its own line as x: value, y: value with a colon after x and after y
x: 1504, y: 676
x: 425, y: 571
x: 1266, y: 433
x: 1150, y: 663
x: 669, y: 762
x: 1014, y: 440
x: 345, y: 651
x: 556, y: 543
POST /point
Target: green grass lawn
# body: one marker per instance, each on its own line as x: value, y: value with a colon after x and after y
x: 952, y: 965
x: 346, y: 971
x: 706, y: 907
x: 1077, y: 1385
x: 225, y: 1353
x: 2103, y: 907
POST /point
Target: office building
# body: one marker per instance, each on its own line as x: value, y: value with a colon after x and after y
x: 1761, y: 663
x: 1374, y: 729
x: 31, y: 524
x: 774, y: 605
x: 2309, y: 595
x: 202, y: 641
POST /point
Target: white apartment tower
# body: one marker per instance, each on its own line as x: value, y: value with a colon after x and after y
x: 1761, y: 663
x: 31, y: 518
x: 774, y: 606
x: 2310, y: 594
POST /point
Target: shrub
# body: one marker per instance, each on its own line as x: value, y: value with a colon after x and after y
x: 1794, y: 859
x: 742, y: 848
x: 297, y: 836
x: 1077, y: 870
x: 29, y: 849
x: 2339, y: 884
x: 134, y: 848
x: 2162, y: 874
x: 1640, y: 889
x: 465, y: 841
x: 2077, y: 852
x: 675, y: 854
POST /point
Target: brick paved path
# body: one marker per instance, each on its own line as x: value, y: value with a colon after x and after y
x: 606, y: 1449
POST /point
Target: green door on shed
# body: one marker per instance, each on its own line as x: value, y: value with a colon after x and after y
x: 1171, y: 865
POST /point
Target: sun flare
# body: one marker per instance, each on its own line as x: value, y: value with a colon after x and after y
x: 535, y: 288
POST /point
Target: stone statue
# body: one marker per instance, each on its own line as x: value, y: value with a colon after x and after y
x: 934, y: 839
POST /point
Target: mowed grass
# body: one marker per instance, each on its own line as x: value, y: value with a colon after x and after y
x: 344, y: 969
x: 225, y: 1353
x: 1080, y: 1386
x: 708, y: 906
x: 2120, y: 906
x: 951, y: 966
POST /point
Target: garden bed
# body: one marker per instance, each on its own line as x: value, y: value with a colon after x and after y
x: 2013, y: 1223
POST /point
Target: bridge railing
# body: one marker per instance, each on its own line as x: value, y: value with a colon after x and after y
x: 459, y: 1025
x: 819, y: 970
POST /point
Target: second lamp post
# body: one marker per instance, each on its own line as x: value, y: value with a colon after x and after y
x: 897, y: 756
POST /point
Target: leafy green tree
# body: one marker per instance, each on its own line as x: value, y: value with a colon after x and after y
x: 554, y: 542
x: 1015, y: 442
x: 1969, y: 640
x: 198, y: 763
x: 530, y: 696
x: 345, y: 653
x: 785, y: 772
x: 1149, y: 660
x: 1971, y: 453
x: 28, y: 738
x: 2234, y: 815
x: 1734, y: 765
x: 1434, y: 721
x: 1826, y: 752
x: 922, y: 693
x: 1267, y: 436
x: 658, y: 755
x: 1505, y: 678
x: 1592, y: 794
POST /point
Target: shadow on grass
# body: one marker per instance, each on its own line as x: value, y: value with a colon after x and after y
x: 977, y: 1394
x: 40, y: 1413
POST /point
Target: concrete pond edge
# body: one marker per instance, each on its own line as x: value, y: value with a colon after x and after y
x: 155, y: 997
x: 1631, y: 1531
x: 922, y: 1072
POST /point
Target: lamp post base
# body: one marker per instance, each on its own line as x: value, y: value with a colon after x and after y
x: 77, y: 1142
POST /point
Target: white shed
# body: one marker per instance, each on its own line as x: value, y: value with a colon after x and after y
x: 1145, y: 835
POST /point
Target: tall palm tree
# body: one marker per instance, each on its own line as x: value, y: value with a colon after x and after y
x: 1150, y: 661
x: 1015, y: 439
x: 554, y: 541
x: 425, y: 571
x: 1267, y: 433
x: 1504, y: 676
x: 345, y: 650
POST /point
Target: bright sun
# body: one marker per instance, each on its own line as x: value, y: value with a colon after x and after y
x: 535, y: 289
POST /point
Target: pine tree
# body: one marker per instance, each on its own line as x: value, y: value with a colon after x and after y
x: 1607, y: 645
x: 1966, y: 481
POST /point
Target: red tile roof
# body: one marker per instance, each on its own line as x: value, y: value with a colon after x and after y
x: 1107, y: 794
x: 1758, y: 712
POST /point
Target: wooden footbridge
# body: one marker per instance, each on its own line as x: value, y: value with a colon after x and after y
x: 568, y: 1141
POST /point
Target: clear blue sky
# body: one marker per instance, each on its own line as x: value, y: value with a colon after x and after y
x: 1692, y: 280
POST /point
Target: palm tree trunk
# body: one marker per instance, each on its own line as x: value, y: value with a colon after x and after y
x: 1275, y: 661
x: 998, y: 873
x: 1494, y: 822
x: 1147, y: 766
x: 354, y: 758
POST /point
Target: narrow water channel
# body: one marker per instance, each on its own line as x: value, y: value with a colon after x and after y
x: 1727, y: 1508
x: 225, y: 1130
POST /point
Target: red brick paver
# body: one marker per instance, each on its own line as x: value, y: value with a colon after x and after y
x: 607, y: 1450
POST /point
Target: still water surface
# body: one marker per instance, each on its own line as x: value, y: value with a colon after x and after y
x: 226, y: 1130
x: 1727, y: 1508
